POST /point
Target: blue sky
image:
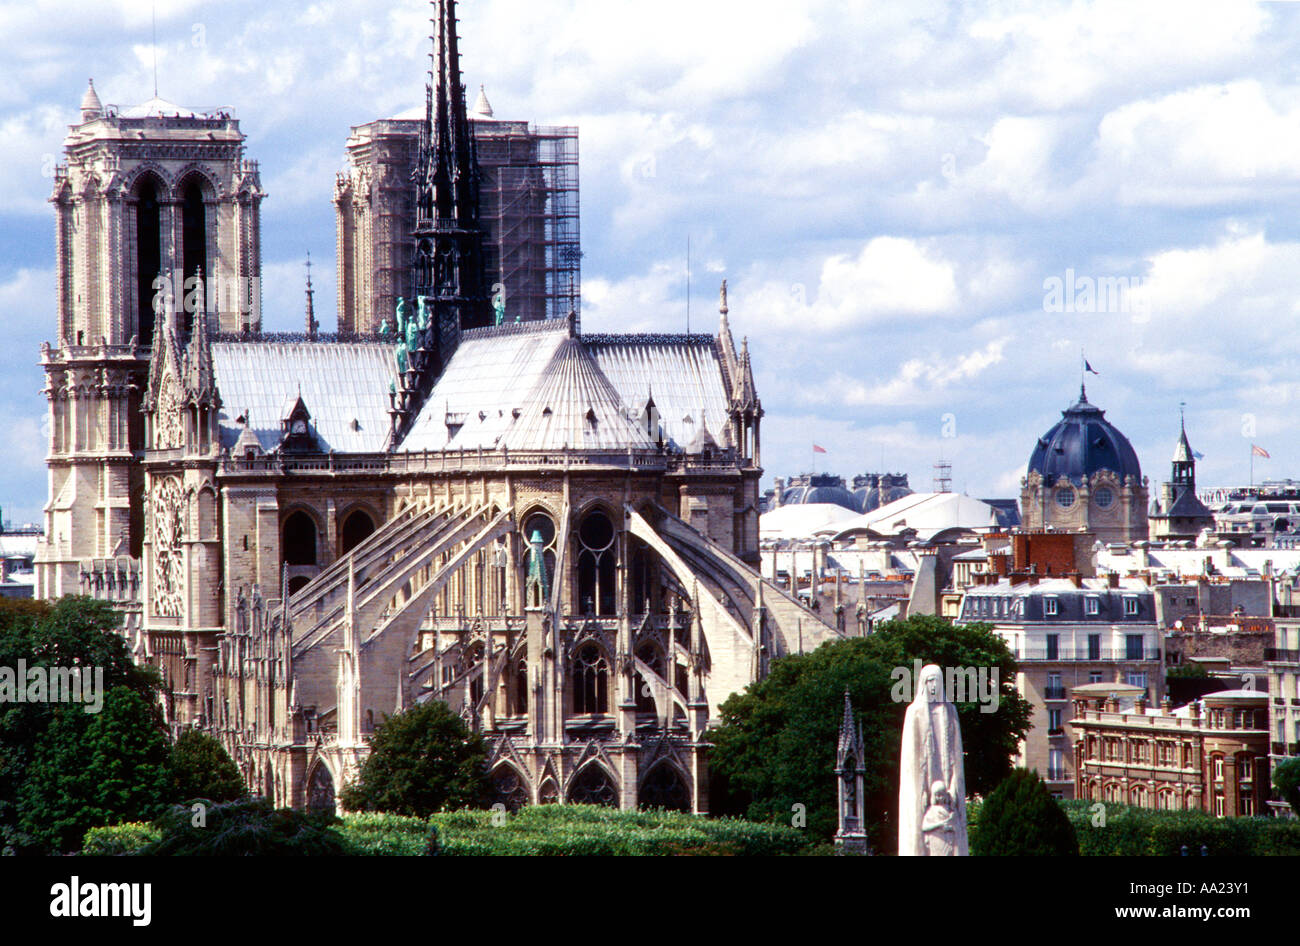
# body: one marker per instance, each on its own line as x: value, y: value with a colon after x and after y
x: 888, y: 187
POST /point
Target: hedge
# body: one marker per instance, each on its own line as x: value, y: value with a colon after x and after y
x: 1131, y: 831
x: 574, y: 830
x: 563, y: 830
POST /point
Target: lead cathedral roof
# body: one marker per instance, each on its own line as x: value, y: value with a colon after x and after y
x: 529, y: 386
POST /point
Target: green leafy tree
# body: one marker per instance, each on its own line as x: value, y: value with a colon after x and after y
x: 201, y: 768
x: 1286, y: 779
x: 247, y: 827
x: 74, y: 632
x: 1021, y: 819
x: 773, y: 755
x: 421, y: 761
x: 97, y: 769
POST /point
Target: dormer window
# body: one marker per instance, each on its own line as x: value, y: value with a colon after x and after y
x: 296, y: 427
x: 1051, y: 606
x: 1130, y: 606
x: 1091, y: 606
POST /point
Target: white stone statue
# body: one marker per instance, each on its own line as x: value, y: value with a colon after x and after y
x: 932, y: 778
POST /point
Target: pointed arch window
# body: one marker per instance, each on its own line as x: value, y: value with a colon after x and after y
x: 299, y: 539
x: 148, y: 256
x: 194, y: 243
x: 596, y: 564
x: 590, y: 680
x: 539, y: 559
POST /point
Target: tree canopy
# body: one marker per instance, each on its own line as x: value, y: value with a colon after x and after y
x: 201, y: 768
x: 775, y: 748
x: 422, y: 760
x: 1286, y: 779
x: 64, y: 770
x: 1021, y: 819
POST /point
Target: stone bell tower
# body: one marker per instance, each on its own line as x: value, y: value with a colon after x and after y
x: 147, y: 198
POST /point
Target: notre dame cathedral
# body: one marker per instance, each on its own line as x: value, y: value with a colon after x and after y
x: 554, y: 533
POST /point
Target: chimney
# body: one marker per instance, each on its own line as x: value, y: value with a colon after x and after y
x: 1076, y: 579
x: 1112, y: 579
x: 1142, y: 703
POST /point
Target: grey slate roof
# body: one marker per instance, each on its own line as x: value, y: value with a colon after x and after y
x: 574, y: 406
x: 682, y: 373
x: 490, y: 376
x: 499, y: 383
x: 344, y: 386
x: 1188, y: 506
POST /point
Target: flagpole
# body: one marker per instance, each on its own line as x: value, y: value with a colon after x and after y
x: 1252, y: 466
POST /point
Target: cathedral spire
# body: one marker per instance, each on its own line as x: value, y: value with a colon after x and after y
x: 451, y: 287
x: 312, y: 324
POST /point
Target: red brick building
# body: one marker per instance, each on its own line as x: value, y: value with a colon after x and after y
x: 1210, y: 755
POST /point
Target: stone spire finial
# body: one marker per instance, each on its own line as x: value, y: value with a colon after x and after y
x: 482, y: 106
x: 312, y: 324
x: 91, y: 107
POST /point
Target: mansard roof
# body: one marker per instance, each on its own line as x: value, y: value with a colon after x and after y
x: 345, y: 384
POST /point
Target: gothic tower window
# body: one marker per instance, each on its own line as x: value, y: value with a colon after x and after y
x: 590, y: 680
x: 357, y: 527
x: 194, y: 242
x: 148, y: 255
x: 596, y: 565
x: 299, y: 539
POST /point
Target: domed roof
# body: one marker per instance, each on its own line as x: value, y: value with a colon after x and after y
x: 824, y: 488
x: 1082, y: 443
x: 869, y: 499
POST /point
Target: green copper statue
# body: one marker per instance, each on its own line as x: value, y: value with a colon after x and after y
x: 537, y: 578
x: 423, y: 314
x: 400, y: 315
x: 499, y: 307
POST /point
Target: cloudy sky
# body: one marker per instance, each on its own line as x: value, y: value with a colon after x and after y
x: 911, y: 200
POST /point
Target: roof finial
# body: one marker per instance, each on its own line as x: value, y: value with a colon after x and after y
x: 312, y: 324
x: 722, y: 307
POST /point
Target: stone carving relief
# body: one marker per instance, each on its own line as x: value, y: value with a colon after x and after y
x: 168, y: 516
x: 167, y: 427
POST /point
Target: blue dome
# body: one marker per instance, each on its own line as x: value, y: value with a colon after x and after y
x: 1082, y: 443
x: 821, y: 488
